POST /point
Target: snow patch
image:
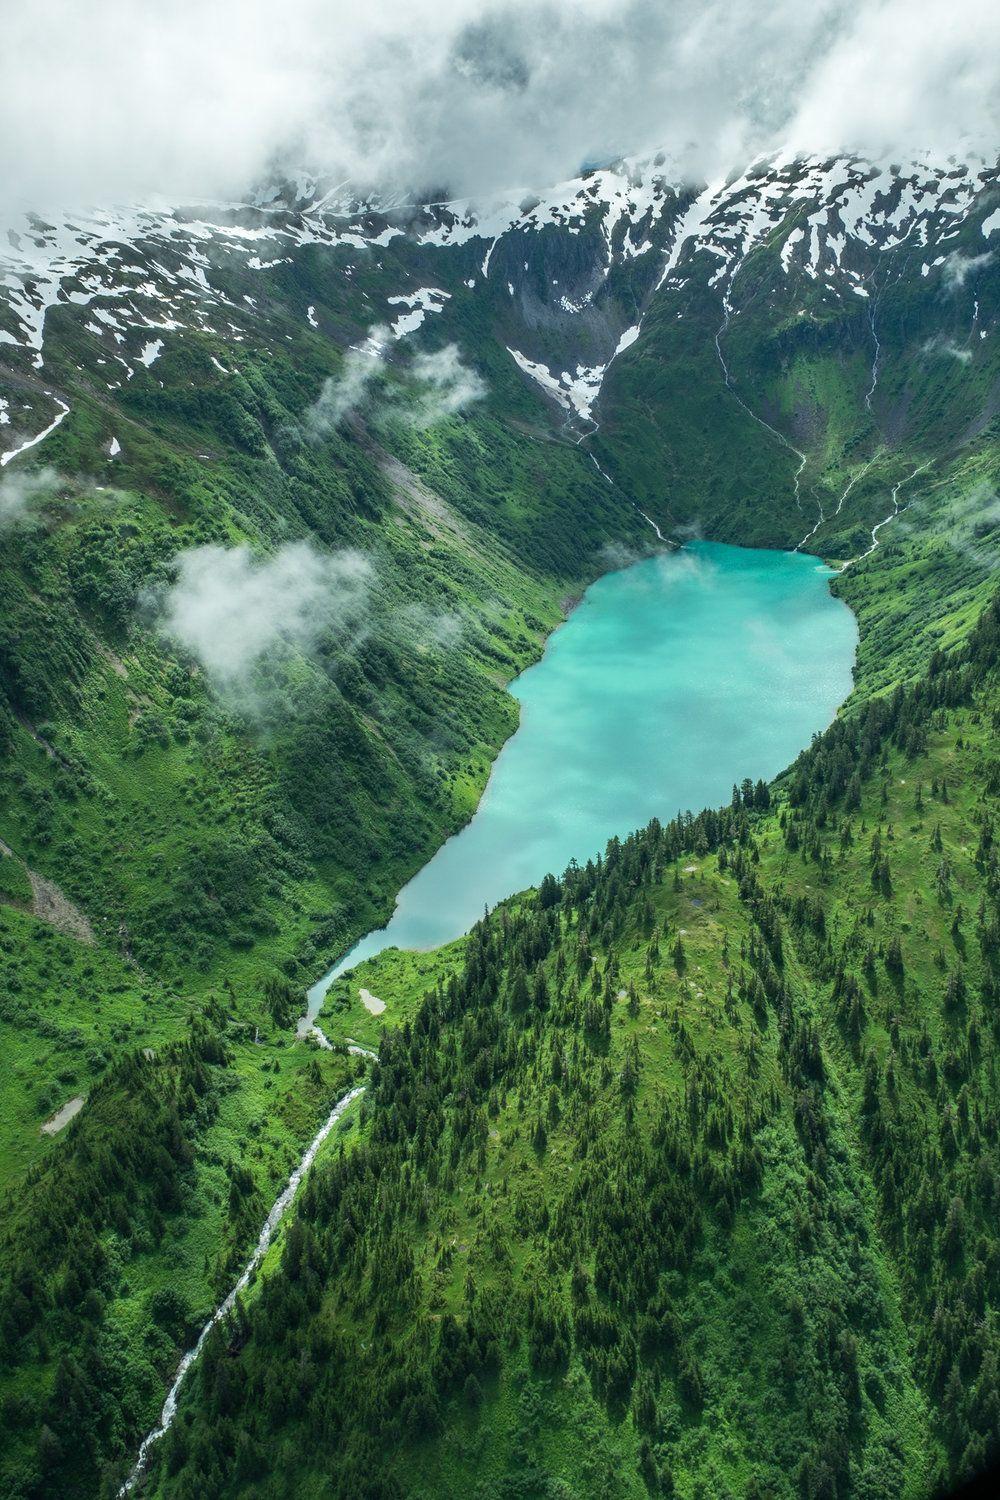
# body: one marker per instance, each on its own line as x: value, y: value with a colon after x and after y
x: 40, y: 437
x: 576, y: 391
x: 543, y: 376
x: 418, y: 304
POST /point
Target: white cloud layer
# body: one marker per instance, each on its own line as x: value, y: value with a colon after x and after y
x: 232, y: 610
x: 947, y: 347
x: 117, y: 99
x: 449, y: 386
x: 445, y: 385
x: 19, y: 490
x: 958, y: 268
x: 344, y: 393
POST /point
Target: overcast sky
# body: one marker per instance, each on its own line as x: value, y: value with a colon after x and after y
x: 105, y: 100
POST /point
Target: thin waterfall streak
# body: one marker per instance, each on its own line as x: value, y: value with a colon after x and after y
x: 810, y: 534
x: 897, y: 510
x: 860, y: 473
x: 723, y: 328
x: 652, y: 523
x: 854, y: 479
x: 878, y: 354
x: 274, y: 1218
x: 648, y: 519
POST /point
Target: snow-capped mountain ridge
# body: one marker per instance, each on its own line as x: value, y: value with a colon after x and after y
x: 143, y: 272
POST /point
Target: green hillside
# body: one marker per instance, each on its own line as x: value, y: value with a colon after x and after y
x: 683, y: 1181
x: 677, y: 1176
x: 212, y: 846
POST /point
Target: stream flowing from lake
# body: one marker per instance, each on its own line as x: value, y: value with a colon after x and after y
x: 672, y: 679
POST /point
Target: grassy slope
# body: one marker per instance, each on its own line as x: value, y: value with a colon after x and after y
x: 117, y: 809
x: 751, y: 1250
x: 223, y: 853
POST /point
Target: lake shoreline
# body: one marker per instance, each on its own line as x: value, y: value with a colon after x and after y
x: 813, y: 619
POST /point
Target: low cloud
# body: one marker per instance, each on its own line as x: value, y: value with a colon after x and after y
x: 449, y: 386
x: 958, y: 268
x: 617, y: 555
x: 947, y: 348
x: 232, y: 610
x: 971, y: 522
x: 445, y: 386
x: 18, y: 491
x: 688, y: 531
x: 113, y: 98
x: 344, y: 393
x: 430, y: 629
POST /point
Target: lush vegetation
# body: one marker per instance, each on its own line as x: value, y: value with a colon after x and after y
x: 116, y: 1249
x: 208, y: 847
x: 679, y: 1175
x: 685, y: 1182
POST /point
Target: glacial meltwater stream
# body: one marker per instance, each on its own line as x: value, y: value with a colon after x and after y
x: 672, y: 679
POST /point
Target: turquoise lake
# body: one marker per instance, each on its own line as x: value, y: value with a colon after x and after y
x: 671, y: 680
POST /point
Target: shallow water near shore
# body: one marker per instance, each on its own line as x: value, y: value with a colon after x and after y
x: 672, y: 679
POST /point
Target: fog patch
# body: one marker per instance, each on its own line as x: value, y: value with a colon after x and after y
x: 688, y: 531
x: 449, y: 386
x: 445, y: 386
x: 345, y: 393
x: 958, y: 268
x: 614, y: 556
x: 18, y: 492
x: 940, y: 345
x: 431, y: 629
x: 684, y: 563
x: 233, y: 610
x: 972, y: 518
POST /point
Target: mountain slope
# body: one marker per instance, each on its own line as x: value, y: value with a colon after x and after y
x: 683, y: 1181
x: 453, y: 416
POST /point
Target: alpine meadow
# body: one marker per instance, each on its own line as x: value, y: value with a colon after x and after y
x: 499, y: 751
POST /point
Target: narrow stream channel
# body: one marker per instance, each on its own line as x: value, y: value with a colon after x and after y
x: 225, y: 1307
